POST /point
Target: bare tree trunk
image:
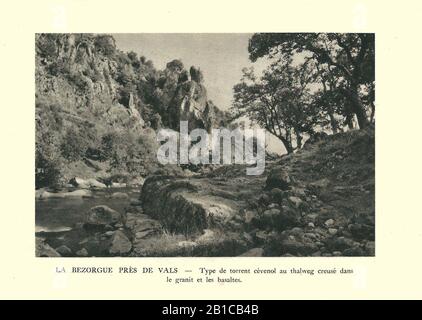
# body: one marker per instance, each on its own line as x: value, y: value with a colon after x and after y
x: 333, y: 122
x: 287, y: 144
x: 357, y: 106
x: 359, y: 110
x: 298, y: 140
x: 372, y: 112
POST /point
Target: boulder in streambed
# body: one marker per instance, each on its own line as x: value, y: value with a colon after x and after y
x: 102, y: 216
x: 118, y: 185
x: 119, y: 195
x: 189, y: 205
x: 82, y: 253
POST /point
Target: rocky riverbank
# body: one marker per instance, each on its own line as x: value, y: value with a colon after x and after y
x: 319, y: 201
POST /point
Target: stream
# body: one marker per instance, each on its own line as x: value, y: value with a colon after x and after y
x: 57, y: 215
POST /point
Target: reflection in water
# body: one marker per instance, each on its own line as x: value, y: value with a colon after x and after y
x: 57, y: 215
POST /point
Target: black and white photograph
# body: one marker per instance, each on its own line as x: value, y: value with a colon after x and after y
x: 205, y: 145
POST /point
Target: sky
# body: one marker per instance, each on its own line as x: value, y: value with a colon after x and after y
x: 220, y: 56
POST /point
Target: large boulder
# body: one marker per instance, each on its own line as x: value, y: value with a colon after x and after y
x: 189, y: 205
x: 120, y: 195
x: 102, y: 215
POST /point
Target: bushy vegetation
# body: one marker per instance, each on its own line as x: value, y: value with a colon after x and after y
x: 134, y: 154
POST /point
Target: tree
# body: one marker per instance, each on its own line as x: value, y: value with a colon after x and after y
x: 350, y: 58
x: 74, y: 145
x: 280, y: 101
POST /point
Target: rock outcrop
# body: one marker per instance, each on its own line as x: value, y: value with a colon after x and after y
x: 92, y: 97
x: 190, y: 205
x: 317, y: 202
x: 103, y: 216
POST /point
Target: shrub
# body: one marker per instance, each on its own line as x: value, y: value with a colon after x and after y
x: 73, y: 146
x: 78, y: 80
x: 48, y: 163
x: 48, y: 171
x: 105, y: 44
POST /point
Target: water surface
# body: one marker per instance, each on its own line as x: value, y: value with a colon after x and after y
x: 56, y: 215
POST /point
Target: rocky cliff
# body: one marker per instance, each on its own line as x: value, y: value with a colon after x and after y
x: 97, y: 103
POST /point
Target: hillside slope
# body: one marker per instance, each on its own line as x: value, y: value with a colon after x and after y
x: 319, y: 202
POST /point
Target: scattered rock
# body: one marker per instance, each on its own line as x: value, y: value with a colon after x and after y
x: 340, y: 243
x: 277, y: 194
x: 255, y: 252
x: 120, y: 244
x: 118, y: 185
x: 362, y: 231
x: 261, y: 235
x: 287, y: 218
x: 79, y: 182
x: 264, y: 199
x: 144, y: 234
x: 297, y: 248
x: 370, y: 248
x: 43, y: 249
x: 103, y: 215
x: 329, y: 222
x: 119, y: 195
x: 250, y: 215
x: 135, y: 203
x: 187, y: 244
x: 353, y: 252
x: 296, y: 201
x: 64, y: 251
x: 271, y: 213
x: 207, y: 236
x: 96, y: 184
x: 332, y: 231
x: 86, y: 184
x: 311, y: 217
x: 82, y: 253
x: 278, y: 178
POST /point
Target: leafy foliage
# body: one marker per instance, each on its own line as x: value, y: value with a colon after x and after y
x: 280, y: 101
x: 348, y: 60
